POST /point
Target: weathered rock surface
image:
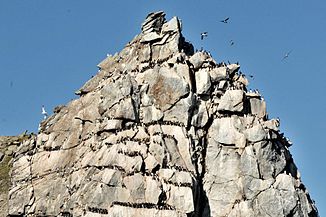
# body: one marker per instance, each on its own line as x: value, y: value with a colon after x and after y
x: 159, y: 131
x: 11, y: 147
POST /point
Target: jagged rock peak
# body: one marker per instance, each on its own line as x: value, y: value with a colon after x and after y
x: 156, y: 22
x: 159, y: 41
x: 153, y: 22
x: 159, y: 131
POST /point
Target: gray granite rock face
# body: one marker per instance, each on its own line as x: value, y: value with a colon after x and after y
x: 231, y: 101
x: 159, y: 131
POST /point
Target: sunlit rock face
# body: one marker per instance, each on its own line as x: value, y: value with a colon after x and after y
x: 159, y: 131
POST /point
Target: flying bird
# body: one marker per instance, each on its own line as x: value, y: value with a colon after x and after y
x: 286, y: 55
x: 231, y: 42
x: 44, y: 113
x: 225, y: 20
x: 203, y: 34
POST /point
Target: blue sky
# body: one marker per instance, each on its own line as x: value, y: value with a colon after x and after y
x: 48, y: 49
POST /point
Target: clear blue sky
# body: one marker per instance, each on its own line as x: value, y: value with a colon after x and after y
x: 48, y: 49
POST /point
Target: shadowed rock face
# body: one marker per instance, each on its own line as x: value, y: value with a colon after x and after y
x: 159, y: 131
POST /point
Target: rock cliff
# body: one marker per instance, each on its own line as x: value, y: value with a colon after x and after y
x: 159, y: 131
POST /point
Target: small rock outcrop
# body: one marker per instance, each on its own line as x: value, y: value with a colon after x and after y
x: 159, y: 131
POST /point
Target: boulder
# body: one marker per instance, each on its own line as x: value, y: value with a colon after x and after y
x: 203, y: 81
x: 224, y: 132
x: 198, y: 59
x: 200, y: 118
x: 255, y: 133
x: 166, y: 88
x: 218, y: 74
x: 231, y: 101
x: 258, y: 107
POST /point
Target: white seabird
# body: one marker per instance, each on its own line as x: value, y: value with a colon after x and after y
x: 44, y: 113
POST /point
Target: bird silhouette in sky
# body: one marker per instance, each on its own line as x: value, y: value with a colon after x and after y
x: 286, y: 55
x: 231, y: 42
x: 203, y: 34
x: 225, y: 20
